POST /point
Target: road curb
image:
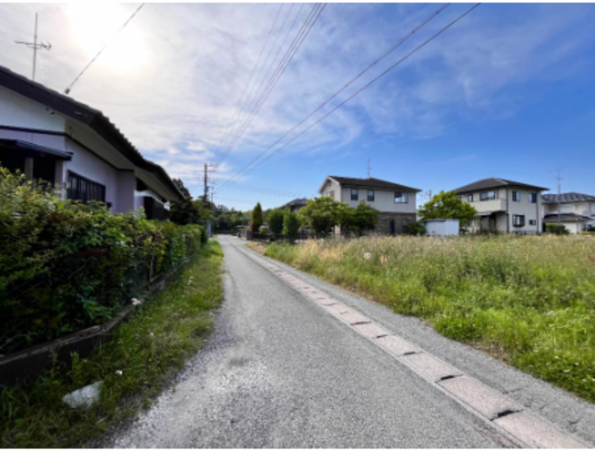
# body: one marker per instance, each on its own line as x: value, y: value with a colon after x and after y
x: 503, y: 414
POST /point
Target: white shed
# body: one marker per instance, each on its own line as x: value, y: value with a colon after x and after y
x: 442, y: 227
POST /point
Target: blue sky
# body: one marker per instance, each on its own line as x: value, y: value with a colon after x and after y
x: 506, y: 92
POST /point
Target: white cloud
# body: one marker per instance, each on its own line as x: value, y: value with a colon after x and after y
x: 175, y: 102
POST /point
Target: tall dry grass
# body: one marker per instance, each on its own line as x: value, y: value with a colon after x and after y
x: 527, y: 300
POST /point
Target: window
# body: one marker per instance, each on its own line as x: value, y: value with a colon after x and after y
x: 470, y: 198
x: 354, y: 195
x: 518, y: 221
x: 80, y: 188
x: 516, y: 196
x: 371, y: 195
x: 488, y: 195
x: 331, y: 194
x: 533, y: 197
x: 401, y: 197
x: 533, y: 222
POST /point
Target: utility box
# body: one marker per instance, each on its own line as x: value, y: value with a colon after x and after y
x: 442, y: 227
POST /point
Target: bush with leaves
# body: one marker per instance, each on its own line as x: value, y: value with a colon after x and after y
x: 291, y: 224
x: 356, y: 221
x: 554, y: 228
x: 415, y: 229
x: 446, y: 205
x: 257, y: 219
x: 66, y: 266
x: 321, y: 214
x: 275, y: 221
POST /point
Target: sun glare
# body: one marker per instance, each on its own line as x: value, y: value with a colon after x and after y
x: 96, y: 24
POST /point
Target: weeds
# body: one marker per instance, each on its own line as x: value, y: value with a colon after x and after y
x: 527, y: 300
x: 146, y: 351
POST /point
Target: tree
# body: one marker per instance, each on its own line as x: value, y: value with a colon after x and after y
x: 184, y: 211
x: 291, y: 224
x: 358, y: 220
x: 322, y: 214
x: 446, y: 205
x: 257, y: 220
x: 275, y: 221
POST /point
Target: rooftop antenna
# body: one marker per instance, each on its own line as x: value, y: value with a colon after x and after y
x: 369, y: 168
x: 35, y: 46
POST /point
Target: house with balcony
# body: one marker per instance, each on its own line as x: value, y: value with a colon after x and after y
x: 504, y: 206
x: 576, y: 211
x: 396, y: 203
x: 52, y: 137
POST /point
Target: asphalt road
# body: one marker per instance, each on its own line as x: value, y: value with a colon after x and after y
x: 280, y: 372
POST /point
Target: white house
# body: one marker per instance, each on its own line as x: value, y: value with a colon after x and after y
x: 52, y: 137
x: 396, y: 203
x: 504, y: 206
x: 577, y: 211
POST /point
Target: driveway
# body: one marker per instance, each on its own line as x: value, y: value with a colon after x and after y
x: 280, y: 371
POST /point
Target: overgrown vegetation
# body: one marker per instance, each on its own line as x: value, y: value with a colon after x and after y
x: 529, y: 301
x: 66, y: 266
x: 146, y: 351
x: 447, y: 205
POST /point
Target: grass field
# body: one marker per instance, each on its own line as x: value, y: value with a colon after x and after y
x: 147, y: 350
x: 529, y: 301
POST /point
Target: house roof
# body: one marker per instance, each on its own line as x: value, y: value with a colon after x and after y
x: 371, y: 183
x: 491, y: 183
x: 296, y: 202
x: 87, y: 115
x: 569, y: 197
x: 565, y: 217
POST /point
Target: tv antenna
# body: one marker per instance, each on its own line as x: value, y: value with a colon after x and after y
x: 35, y: 46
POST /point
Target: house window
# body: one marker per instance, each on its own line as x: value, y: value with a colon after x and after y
x: 488, y: 195
x: 354, y: 195
x: 371, y: 195
x: 470, y: 198
x: 533, y: 197
x: 331, y: 194
x: 516, y: 196
x: 533, y: 222
x: 401, y: 197
x: 85, y: 190
x: 518, y: 221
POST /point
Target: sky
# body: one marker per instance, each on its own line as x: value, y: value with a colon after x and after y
x: 508, y: 91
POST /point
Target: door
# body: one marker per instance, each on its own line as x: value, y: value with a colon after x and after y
x: 392, y: 226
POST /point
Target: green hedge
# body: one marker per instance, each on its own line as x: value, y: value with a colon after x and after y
x: 66, y: 266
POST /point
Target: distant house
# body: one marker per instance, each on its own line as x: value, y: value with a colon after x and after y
x: 49, y: 136
x: 504, y: 206
x: 577, y: 211
x: 396, y: 203
x: 295, y: 205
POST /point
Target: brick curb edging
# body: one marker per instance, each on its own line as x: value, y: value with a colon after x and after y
x: 26, y: 365
x: 506, y: 416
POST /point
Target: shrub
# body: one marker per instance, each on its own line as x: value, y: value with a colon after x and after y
x: 554, y: 228
x: 276, y: 221
x: 291, y: 224
x: 66, y: 266
x: 415, y: 229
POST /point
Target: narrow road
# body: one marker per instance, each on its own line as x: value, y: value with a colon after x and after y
x: 279, y: 371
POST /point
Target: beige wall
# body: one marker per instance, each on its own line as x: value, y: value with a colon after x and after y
x: 383, y: 200
x: 508, y: 208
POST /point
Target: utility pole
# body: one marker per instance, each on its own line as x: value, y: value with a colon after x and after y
x: 35, y: 46
x: 559, y: 178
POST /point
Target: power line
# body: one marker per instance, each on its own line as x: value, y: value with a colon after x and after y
x: 237, y: 108
x: 246, y: 168
x: 69, y: 88
x: 290, y: 53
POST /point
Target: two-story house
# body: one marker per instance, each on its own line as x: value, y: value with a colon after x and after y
x: 50, y: 136
x: 577, y: 211
x: 504, y: 206
x: 396, y: 203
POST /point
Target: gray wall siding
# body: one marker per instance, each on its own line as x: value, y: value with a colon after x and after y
x: 383, y: 200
